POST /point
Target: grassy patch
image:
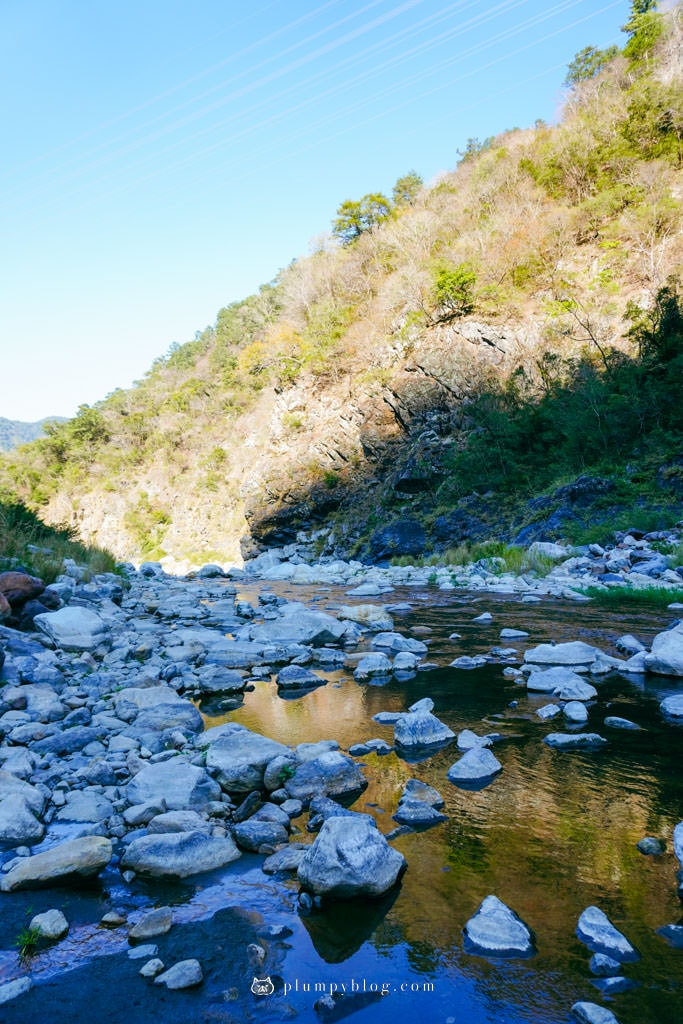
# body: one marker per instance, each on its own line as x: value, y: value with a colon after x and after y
x: 617, y: 597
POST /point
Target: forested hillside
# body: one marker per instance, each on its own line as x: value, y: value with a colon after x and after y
x: 443, y: 368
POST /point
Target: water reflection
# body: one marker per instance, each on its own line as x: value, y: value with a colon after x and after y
x: 340, y: 928
x: 552, y: 834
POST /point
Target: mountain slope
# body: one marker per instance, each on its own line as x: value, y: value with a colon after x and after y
x: 16, y: 432
x: 489, y: 335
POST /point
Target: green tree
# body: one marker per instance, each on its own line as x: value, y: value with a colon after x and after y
x: 454, y: 291
x: 354, y: 218
x: 644, y: 28
x: 587, y: 63
x: 406, y: 189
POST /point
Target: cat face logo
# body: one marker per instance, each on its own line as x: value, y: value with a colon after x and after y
x: 262, y: 987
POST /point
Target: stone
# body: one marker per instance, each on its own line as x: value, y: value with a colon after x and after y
x: 551, y: 680
x: 152, y: 923
x: 52, y: 925
x: 497, y: 931
x: 421, y: 729
x: 19, y: 587
x: 177, y: 821
x: 574, y: 741
x: 295, y: 677
x: 238, y: 760
x: 512, y: 634
x: 593, y: 1013
x: 19, y: 825
x: 141, y: 952
x: 468, y: 740
x: 252, y: 835
x: 477, y: 766
x: 350, y: 857
x: 673, y: 934
x: 576, y: 653
x: 371, y: 666
x: 548, y: 711
x: 484, y: 618
x: 76, y: 858
x: 72, y: 628
x: 298, y: 624
x: 467, y: 662
x: 12, y: 989
x: 331, y: 774
x: 178, y: 854
x: 185, y: 974
x: 152, y: 968
x: 374, y: 617
x: 666, y: 653
x: 598, y: 933
x: 417, y: 814
x: 576, y: 691
x: 179, y: 785
x: 603, y: 966
x: 672, y: 707
x: 678, y: 842
x: 614, y: 722
x: 575, y: 711
x: 405, y: 662
x: 287, y: 859
x: 396, y: 643
x: 84, y: 805
x: 651, y: 846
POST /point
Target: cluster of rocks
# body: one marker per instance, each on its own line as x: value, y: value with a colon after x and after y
x: 636, y: 560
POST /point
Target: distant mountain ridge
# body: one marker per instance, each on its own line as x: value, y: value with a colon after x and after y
x: 16, y: 432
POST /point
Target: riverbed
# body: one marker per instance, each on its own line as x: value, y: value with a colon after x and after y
x: 554, y: 833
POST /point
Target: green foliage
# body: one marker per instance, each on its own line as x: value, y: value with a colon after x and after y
x: 454, y: 290
x: 41, y: 549
x: 588, y: 62
x: 646, y: 597
x: 474, y: 147
x: 644, y: 28
x: 355, y: 218
x: 407, y: 189
x: 658, y: 331
x: 27, y: 941
x: 147, y: 524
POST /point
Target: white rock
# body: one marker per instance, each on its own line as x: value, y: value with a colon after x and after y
x: 666, y: 654
x: 350, y: 857
x: 575, y: 711
x: 672, y: 707
x: 52, y: 925
x: 593, y: 1013
x: 185, y: 974
x: 72, y: 628
x: 475, y: 766
x: 597, y: 931
x: 495, y: 930
x: 574, y: 653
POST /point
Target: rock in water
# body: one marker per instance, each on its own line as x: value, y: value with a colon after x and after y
x: 350, y: 857
x: 678, y: 842
x: 597, y: 931
x: 76, y: 858
x: 178, y: 854
x: 574, y: 653
x: 574, y: 741
x: 592, y: 1013
x: 672, y: 707
x: 476, y: 767
x: 666, y: 654
x: 495, y: 930
x: 52, y: 925
x: 185, y: 974
x: 330, y: 774
x: 421, y: 729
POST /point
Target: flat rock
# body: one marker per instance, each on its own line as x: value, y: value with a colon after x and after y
x: 372, y: 616
x: 576, y: 652
x: 12, y: 989
x: 181, y: 786
x: 299, y: 624
x: 673, y: 934
x: 178, y: 854
x: 603, y: 966
x: 372, y: 665
x: 417, y: 814
x: 287, y: 859
x: 614, y: 722
x: 551, y: 680
x: 85, y: 805
x: 251, y: 835
x: 152, y: 923
x: 177, y: 821
x: 185, y: 974
x: 396, y: 643
x: 468, y: 740
x: 296, y: 677
x: 597, y: 931
x: 72, y: 628
x: 76, y: 858
x: 476, y: 766
x: 350, y: 857
x: 497, y: 931
x: 579, y: 690
x: 574, y: 741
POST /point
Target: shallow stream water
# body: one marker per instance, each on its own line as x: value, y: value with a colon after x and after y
x: 554, y: 833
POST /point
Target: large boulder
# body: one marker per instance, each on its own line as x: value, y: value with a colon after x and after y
x: 597, y: 931
x: 181, y: 785
x: 155, y: 708
x: 296, y: 677
x: 421, y: 729
x: 18, y: 587
x: 495, y: 930
x: 350, y: 857
x: 298, y: 624
x: 76, y: 858
x: 666, y: 654
x: 20, y: 808
x: 238, y: 760
x: 331, y: 774
x: 575, y: 653
x: 178, y: 854
x: 72, y: 628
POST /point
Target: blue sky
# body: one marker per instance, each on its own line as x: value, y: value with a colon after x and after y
x: 162, y: 158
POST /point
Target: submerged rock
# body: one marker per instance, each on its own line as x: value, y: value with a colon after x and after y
x: 350, y: 857
x: 497, y: 931
x: 597, y: 931
x: 574, y: 741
